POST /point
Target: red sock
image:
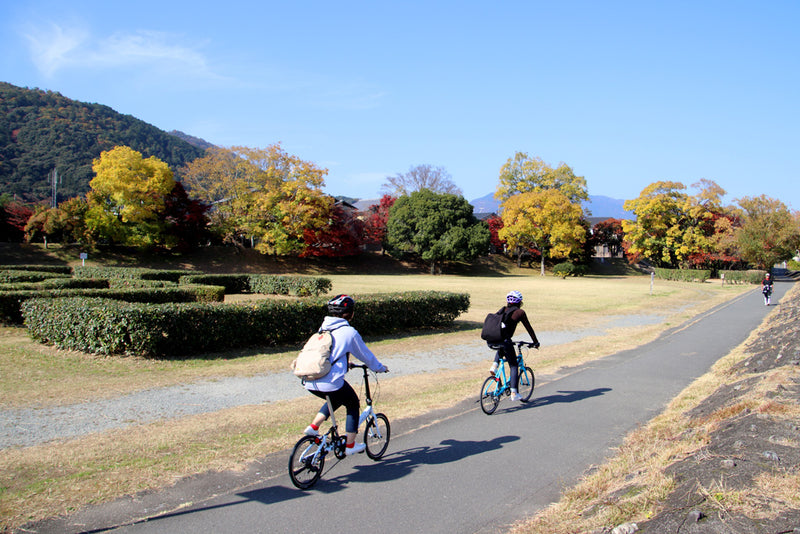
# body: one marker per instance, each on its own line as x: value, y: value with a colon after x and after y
x: 315, y: 427
x: 350, y: 445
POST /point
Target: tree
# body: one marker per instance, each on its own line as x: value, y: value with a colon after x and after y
x: 545, y: 220
x: 186, y: 222
x: 435, y: 179
x: 608, y: 233
x: 14, y: 216
x: 65, y: 224
x: 770, y: 233
x: 439, y: 227
x: 495, y: 224
x: 375, y: 222
x: 128, y: 195
x: 266, y: 194
x: 523, y: 174
x: 342, y: 236
x: 671, y: 226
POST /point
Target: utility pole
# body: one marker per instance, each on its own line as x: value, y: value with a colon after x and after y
x: 54, y: 181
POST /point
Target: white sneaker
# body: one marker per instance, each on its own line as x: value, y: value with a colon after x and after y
x: 310, y: 431
x: 493, y: 368
x: 516, y: 397
x: 355, y: 449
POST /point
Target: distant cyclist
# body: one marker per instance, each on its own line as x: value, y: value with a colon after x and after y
x: 514, y: 314
x: 346, y: 341
x: 766, y: 288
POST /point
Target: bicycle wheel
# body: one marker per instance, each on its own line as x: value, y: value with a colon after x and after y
x: 526, y: 383
x: 490, y: 395
x: 376, y: 436
x: 305, y: 466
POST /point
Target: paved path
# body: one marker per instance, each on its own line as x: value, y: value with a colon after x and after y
x: 464, y: 472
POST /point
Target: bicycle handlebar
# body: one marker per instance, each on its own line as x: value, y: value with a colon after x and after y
x: 362, y: 366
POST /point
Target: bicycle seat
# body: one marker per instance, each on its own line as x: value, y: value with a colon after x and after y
x: 495, y: 346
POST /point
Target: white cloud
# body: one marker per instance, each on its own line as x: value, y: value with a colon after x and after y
x: 58, y: 48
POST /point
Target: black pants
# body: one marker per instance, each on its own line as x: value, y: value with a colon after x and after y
x: 344, y: 396
x: 511, y: 357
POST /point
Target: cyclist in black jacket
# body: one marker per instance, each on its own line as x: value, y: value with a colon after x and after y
x: 766, y: 288
x: 514, y: 314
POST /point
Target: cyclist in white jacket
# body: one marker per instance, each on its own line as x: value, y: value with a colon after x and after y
x: 346, y: 341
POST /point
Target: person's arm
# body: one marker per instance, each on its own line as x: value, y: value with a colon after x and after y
x: 360, y: 350
x: 523, y: 318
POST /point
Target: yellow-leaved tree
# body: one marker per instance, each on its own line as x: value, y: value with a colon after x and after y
x: 541, y: 208
x: 264, y: 194
x: 127, y: 197
x: 671, y: 225
x: 545, y: 220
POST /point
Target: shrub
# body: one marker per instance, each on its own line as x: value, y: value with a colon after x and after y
x: 301, y: 286
x: 683, y: 275
x: 130, y: 273
x: 12, y: 276
x: 58, y: 269
x: 742, y: 277
x: 175, y: 329
x: 233, y: 283
x: 11, y: 301
x: 568, y: 268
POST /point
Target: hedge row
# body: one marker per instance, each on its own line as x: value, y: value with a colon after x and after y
x: 16, y: 276
x: 58, y: 269
x: 11, y: 302
x: 130, y: 273
x: 175, y: 330
x: 742, y: 277
x: 683, y: 275
x: 267, y: 284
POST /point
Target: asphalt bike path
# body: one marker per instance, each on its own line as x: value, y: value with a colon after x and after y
x: 466, y: 472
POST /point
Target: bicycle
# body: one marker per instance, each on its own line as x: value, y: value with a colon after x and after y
x: 307, y: 459
x: 497, y: 385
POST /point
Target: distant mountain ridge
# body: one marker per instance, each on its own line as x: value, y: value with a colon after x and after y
x: 598, y: 206
x: 41, y: 130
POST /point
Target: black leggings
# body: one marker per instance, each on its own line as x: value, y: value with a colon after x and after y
x: 344, y: 396
x: 511, y: 358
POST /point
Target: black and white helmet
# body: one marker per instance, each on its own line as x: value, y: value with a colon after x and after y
x: 341, y: 304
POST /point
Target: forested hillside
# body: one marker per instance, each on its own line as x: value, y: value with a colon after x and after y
x: 42, y: 130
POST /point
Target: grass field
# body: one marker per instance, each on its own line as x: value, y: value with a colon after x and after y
x: 55, y: 478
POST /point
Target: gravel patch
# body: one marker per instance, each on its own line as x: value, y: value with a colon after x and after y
x: 22, y: 427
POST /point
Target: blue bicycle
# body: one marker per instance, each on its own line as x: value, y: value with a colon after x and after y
x: 497, y: 386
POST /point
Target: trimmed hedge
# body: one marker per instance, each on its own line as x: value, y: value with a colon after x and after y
x: 301, y: 286
x: 58, y: 283
x: 742, y: 277
x: 165, y: 330
x: 11, y: 302
x: 683, y: 275
x: 130, y: 273
x: 58, y: 269
x: 12, y: 276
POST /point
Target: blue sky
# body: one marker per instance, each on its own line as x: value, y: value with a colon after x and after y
x: 624, y: 92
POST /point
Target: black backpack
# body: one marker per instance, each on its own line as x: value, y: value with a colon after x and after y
x: 493, y: 326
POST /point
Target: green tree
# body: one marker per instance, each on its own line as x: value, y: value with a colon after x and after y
x: 127, y: 197
x: 545, y: 220
x: 438, y: 227
x: 769, y: 233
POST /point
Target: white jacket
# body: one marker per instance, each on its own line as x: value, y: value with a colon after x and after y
x: 346, y: 339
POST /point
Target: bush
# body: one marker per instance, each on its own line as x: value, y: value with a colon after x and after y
x: 793, y: 265
x: 301, y: 286
x: 233, y: 283
x: 13, y: 276
x: 115, y: 327
x: 568, y: 268
x: 58, y: 283
x: 683, y: 275
x: 58, y: 269
x: 742, y: 277
x: 130, y: 273
x: 11, y: 302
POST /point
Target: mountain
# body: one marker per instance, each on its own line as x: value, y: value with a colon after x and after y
x: 42, y: 130
x: 202, y: 144
x: 598, y: 206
